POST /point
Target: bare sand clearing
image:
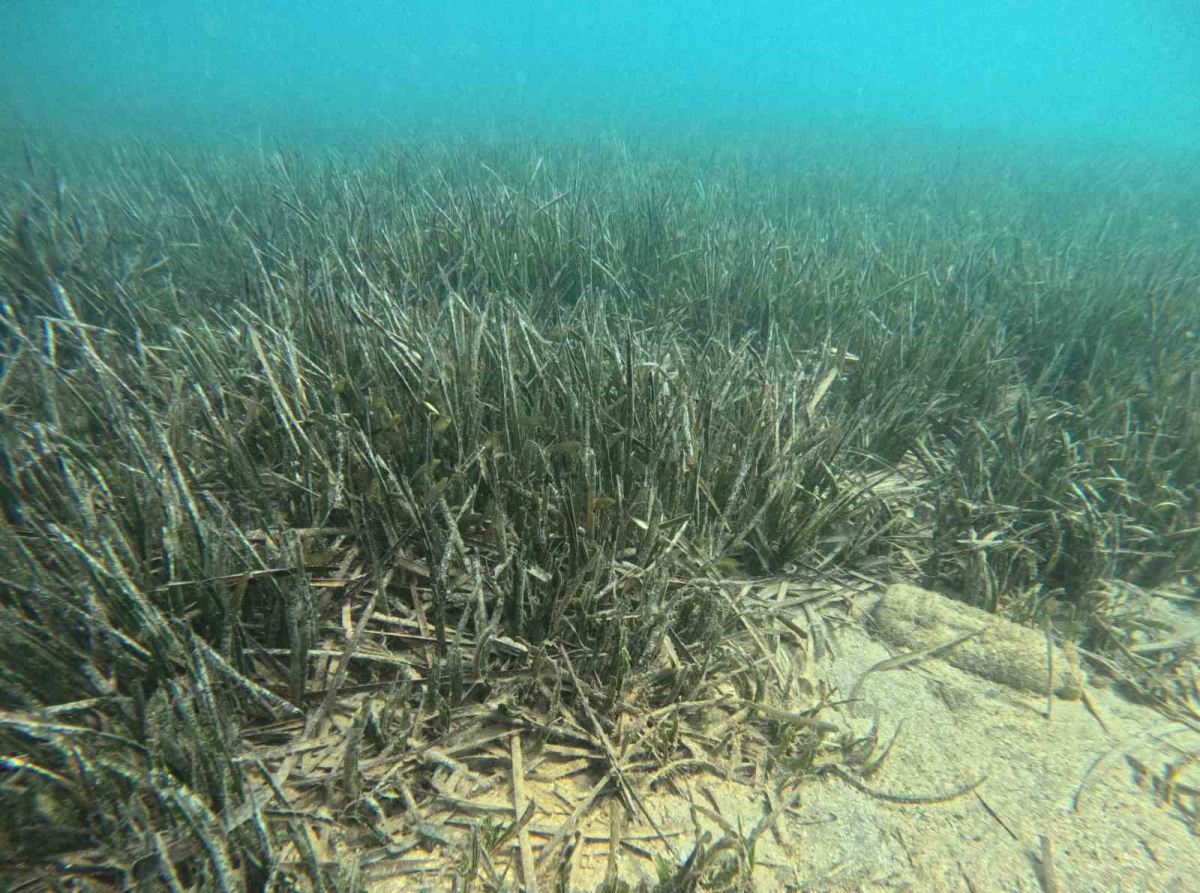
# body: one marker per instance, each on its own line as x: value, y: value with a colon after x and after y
x: 1075, y: 802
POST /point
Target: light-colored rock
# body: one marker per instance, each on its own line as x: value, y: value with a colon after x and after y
x: 915, y: 619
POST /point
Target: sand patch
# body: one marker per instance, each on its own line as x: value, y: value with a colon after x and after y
x: 1088, y: 800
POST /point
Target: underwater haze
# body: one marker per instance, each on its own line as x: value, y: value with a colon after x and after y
x: 709, y: 395
x: 1115, y: 70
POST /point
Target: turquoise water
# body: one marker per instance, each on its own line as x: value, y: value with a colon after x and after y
x: 1111, y: 70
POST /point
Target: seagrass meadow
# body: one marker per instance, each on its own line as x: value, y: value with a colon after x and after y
x: 341, y: 489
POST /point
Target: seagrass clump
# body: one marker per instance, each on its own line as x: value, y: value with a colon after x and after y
x: 331, y: 483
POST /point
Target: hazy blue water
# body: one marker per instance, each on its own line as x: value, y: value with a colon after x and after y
x: 1091, y: 68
